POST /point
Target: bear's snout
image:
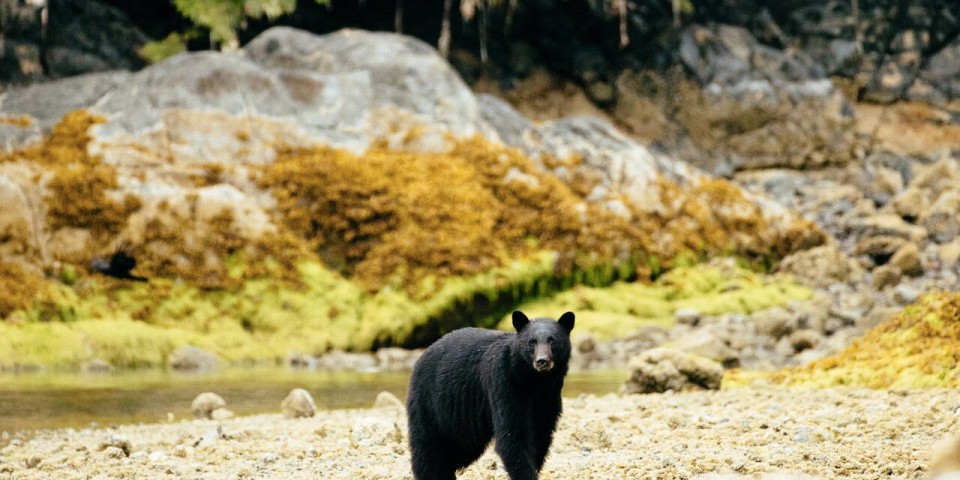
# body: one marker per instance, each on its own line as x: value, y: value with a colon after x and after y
x: 542, y: 358
x: 543, y: 364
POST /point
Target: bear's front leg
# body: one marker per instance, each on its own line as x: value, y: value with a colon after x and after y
x: 515, y: 443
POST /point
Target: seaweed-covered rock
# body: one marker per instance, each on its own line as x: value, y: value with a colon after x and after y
x: 821, y: 267
x: 661, y: 369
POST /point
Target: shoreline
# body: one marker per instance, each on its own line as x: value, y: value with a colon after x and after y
x: 832, y: 433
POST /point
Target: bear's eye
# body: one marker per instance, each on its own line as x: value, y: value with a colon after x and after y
x: 551, y: 341
x: 532, y: 343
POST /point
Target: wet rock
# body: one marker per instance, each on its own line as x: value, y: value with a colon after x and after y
x: 907, y: 260
x: 394, y: 359
x: 884, y: 184
x: 96, y: 366
x: 298, y: 360
x: 725, y: 54
x: 387, y: 400
x: 705, y: 343
x: 33, y: 461
x: 905, y: 294
x: 340, y: 360
x: 298, y: 404
x: 821, y: 266
x: 221, y: 414
x: 190, y: 358
x: 943, y: 69
x: 661, y: 369
x: 911, y: 203
x: 119, y: 442
x: 884, y: 225
x: 801, y: 340
x: 885, y: 276
x: 942, y: 219
x: 812, y: 313
x: 205, y: 403
x: 687, y: 316
x: 937, y: 177
x: 774, y: 322
x: 949, y: 253
x: 879, y: 248
x: 113, y: 452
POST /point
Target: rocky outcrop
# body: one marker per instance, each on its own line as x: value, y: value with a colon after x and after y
x: 61, y: 38
x: 766, y: 107
x: 214, y: 168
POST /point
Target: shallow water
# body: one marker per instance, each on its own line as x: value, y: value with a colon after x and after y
x: 57, y: 400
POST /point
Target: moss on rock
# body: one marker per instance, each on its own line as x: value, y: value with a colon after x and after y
x: 918, y: 347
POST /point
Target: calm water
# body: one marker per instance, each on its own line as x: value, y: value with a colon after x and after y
x: 42, y: 401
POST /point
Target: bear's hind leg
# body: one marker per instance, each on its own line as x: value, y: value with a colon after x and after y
x: 430, y: 458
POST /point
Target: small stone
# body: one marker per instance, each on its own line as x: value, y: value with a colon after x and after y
x: 907, y: 260
x: 210, y: 437
x: 97, y: 366
x: 911, y: 203
x: 205, y: 403
x: 301, y: 360
x: 942, y: 219
x: 114, y: 452
x: 221, y: 414
x: 117, y: 441
x: 32, y: 462
x: 905, y: 294
x: 190, y: 358
x: 879, y: 248
x: 949, y: 253
x: 687, y: 316
x: 804, y: 339
x: 298, y: 404
x: 885, y: 276
x: 386, y: 399
x: 876, y: 316
x: 157, y: 457
x: 774, y: 322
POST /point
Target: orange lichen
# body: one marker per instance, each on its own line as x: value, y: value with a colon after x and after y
x: 79, y: 183
x: 17, y: 288
x: 22, y: 121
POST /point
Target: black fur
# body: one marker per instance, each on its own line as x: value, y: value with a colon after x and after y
x: 474, y: 385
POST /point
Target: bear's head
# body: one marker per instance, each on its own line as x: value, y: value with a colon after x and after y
x: 543, y: 343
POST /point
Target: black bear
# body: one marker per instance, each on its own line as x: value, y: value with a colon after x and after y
x: 473, y: 385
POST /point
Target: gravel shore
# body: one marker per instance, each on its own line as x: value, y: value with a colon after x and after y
x: 835, y: 433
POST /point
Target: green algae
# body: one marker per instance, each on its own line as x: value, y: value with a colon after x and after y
x: 623, y: 307
x: 916, y: 348
x: 141, y: 324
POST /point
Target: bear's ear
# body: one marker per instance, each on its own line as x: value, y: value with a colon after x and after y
x: 566, y: 321
x: 519, y: 320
